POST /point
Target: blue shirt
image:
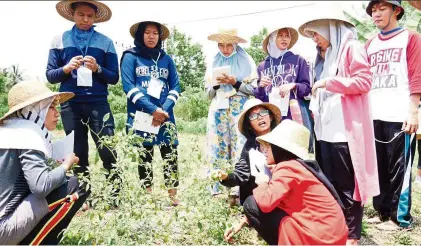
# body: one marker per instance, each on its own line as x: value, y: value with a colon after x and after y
x: 101, y: 48
x: 136, y: 74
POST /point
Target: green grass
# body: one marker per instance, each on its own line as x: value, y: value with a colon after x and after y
x: 147, y: 218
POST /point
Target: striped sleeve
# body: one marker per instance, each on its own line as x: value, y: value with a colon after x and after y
x: 129, y: 86
x: 110, y: 67
x: 55, y: 73
x: 174, y: 85
x: 414, y: 60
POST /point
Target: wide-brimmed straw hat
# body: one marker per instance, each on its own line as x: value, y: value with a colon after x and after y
x: 331, y: 11
x: 290, y: 136
x: 227, y: 36
x: 165, y: 32
x: 253, y: 102
x: 369, y: 8
x: 28, y: 92
x: 293, y: 33
x: 103, y: 12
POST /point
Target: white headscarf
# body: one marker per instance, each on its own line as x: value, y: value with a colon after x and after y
x: 27, y: 130
x: 338, y: 33
x: 273, y: 49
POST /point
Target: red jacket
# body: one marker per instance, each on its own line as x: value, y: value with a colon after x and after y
x: 315, y: 217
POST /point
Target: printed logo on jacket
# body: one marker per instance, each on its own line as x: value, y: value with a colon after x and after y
x: 384, y: 65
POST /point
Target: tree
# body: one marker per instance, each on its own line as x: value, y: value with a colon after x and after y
x: 13, y: 76
x: 3, y: 80
x: 256, y: 49
x: 366, y: 28
x: 189, y: 59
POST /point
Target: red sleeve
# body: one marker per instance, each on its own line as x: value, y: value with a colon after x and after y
x: 284, y: 178
x: 367, y: 44
x: 413, y: 52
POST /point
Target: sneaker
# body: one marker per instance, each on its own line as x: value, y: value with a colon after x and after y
x: 388, y: 226
x: 374, y: 220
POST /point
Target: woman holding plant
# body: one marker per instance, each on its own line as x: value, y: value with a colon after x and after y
x: 298, y: 205
x: 228, y: 92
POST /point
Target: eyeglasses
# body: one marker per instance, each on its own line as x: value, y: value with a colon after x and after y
x: 262, y: 113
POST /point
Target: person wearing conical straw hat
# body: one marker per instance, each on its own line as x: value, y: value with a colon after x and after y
x: 341, y: 109
x: 152, y: 86
x: 228, y: 92
x: 285, y: 73
x: 394, y: 57
x: 257, y: 119
x: 282, y: 69
x: 85, y: 62
x: 31, y: 192
x: 310, y: 210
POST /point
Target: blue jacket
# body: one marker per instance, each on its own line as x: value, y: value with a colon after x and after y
x: 135, y: 73
x: 101, y: 48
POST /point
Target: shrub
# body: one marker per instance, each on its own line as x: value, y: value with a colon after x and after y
x: 192, y: 105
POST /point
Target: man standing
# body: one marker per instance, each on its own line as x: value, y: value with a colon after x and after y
x: 85, y: 62
x: 394, y: 56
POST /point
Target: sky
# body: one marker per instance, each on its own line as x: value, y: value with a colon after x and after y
x: 28, y: 27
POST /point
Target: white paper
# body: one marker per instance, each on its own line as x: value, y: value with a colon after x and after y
x: 221, y: 101
x: 258, y: 163
x: 281, y: 102
x: 143, y: 122
x: 155, y: 88
x: 218, y: 71
x: 84, y: 76
x: 63, y: 147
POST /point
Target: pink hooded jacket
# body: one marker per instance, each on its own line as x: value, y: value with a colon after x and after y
x: 353, y: 81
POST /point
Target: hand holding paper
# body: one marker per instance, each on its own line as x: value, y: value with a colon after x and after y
x: 281, y: 102
x: 218, y: 72
x: 63, y: 147
x: 258, y: 164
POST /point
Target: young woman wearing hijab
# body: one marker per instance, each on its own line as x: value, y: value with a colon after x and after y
x: 299, y: 206
x: 228, y: 98
x: 342, y: 117
x: 283, y: 69
x: 152, y: 86
x: 257, y: 119
x: 37, y: 199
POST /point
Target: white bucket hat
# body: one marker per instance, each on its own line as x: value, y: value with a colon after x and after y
x: 290, y: 136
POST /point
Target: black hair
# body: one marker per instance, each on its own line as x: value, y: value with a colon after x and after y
x: 75, y: 5
x: 280, y: 154
x: 249, y: 132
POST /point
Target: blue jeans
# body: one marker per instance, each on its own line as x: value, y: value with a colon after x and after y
x: 73, y: 115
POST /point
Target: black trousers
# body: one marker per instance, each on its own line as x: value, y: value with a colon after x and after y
x: 394, y: 160
x: 49, y: 229
x: 266, y: 224
x: 72, y: 114
x: 419, y: 154
x: 336, y: 164
x: 169, y: 155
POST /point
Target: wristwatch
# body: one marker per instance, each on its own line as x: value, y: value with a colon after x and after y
x: 99, y: 70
